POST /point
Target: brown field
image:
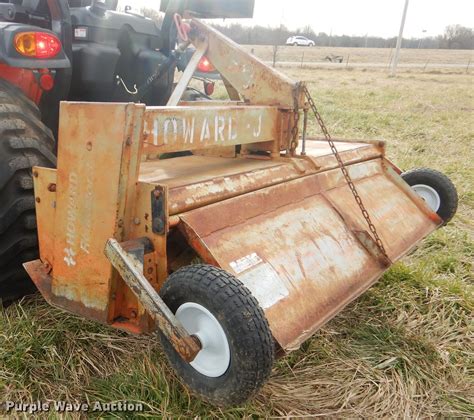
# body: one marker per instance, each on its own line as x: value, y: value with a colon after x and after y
x: 365, y: 55
x: 403, y: 350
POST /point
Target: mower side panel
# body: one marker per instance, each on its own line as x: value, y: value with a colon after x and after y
x: 45, y: 181
x: 298, y: 246
x: 99, y: 154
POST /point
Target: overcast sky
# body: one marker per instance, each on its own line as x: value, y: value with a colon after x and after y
x: 356, y: 17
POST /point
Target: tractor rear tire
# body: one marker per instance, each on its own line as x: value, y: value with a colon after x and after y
x: 238, y: 349
x: 25, y: 142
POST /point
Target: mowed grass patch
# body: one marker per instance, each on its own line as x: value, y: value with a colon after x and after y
x: 404, y: 349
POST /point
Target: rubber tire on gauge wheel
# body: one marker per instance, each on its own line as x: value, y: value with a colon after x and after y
x: 242, y: 320
x: 441, y: 184
x: 24, y: 142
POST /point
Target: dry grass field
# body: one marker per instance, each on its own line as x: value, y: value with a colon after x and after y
x: 365, y: 55
x: 403, y: 350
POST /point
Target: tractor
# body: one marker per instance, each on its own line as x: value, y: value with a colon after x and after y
x: 76, y: 50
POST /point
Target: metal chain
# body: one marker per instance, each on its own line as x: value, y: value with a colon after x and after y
x: 345, y: 172
x: 295, y: 131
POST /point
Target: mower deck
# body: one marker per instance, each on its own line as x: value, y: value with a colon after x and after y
x: 194, y: 181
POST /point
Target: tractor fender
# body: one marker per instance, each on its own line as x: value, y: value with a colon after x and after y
x: 11, y: 57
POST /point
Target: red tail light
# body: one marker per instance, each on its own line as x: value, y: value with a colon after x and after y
x: 205, y: 66
x: 37, y: 44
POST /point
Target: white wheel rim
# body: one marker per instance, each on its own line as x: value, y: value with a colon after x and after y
x: 214, y: 358
x: 429, y: 195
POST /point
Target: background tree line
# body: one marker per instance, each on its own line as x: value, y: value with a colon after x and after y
x: 454, y: 37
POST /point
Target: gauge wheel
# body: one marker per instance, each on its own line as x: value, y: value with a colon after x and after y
x: 237, y: 352
x: 436, y: 189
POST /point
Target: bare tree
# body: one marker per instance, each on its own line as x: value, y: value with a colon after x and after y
x: 458, y: 37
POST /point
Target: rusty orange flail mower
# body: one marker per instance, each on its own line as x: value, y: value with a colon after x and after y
x: 244, y: 247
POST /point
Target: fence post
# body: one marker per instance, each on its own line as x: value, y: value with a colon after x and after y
x: 275, y: 53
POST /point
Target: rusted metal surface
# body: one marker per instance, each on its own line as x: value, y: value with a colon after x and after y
x: 44, y: 179
x: 96, y: 178
x: 41, y: 276
x: 159, y: 210
x: 294, y: 245
x: 250, y: 77
x: 287, y: 225
x: 144, y: 227
x: 131, y: 271
x: 195, y: 181
x: 174, y: 129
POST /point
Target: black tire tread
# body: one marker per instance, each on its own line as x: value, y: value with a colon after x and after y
x: 25, y: 142
x: 11, y: 94
x: 243, y: 315
x: 442, y: 184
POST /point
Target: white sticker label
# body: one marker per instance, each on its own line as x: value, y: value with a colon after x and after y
x: 80, y: 33
x: 265, y: 284
x: 245, y: 263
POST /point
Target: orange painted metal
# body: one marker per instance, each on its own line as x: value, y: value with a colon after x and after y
x: 95, y: 186
x: 45, y: 180
x: 286, y: 225
x: 255, y: 81
x: 174, y: 129
x: 294, y: 245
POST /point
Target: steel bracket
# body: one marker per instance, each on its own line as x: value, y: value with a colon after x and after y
x: 131, y: 271
x: 158, y: 211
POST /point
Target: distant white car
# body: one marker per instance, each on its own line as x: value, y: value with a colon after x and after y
x: 300, y: 41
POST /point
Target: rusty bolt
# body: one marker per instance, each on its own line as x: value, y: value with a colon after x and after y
x: 150, y: 270
x: 133, y: 314
x: 52, y: 187
x: 136, y: 221
x: 35, y: 174
x: 89, y: 146
x: 129, y: 141
x: 38, y: 200
x: 120, y: 223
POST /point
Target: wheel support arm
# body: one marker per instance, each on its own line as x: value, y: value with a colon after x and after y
x: 129, y: 264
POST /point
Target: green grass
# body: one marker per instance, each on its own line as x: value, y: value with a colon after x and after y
x: 404, y: 349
